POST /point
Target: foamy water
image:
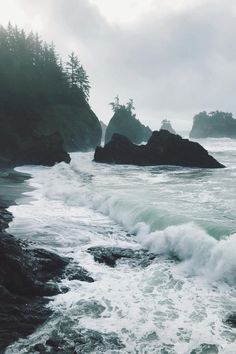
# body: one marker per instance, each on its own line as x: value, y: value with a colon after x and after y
x: 185, y: 216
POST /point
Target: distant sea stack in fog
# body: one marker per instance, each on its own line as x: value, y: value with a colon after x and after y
x: 213, y: 125
x: 104, y: 127
x: 163, y: 148
x: 166, y: 125
x: 124, y: 122
x: 44, y: 109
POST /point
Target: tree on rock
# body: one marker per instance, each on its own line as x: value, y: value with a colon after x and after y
x: 77, y: 75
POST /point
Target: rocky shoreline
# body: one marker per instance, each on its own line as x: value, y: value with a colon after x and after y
x: 29, y: 276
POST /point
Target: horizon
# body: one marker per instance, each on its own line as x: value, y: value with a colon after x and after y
x: 170, y: 57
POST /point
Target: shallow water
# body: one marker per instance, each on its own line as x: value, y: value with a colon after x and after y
x: 177, y: 304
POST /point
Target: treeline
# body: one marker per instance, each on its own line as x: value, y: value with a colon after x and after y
x: 41, y: 96
x: 31, y: 72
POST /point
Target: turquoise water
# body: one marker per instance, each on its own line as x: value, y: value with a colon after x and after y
x: 177, y: 304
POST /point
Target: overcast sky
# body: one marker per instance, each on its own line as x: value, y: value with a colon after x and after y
x: 173, y: 57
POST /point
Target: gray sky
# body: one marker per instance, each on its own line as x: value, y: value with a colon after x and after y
x: 173, y: 57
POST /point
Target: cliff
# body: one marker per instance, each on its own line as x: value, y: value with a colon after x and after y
x: 215, y: 125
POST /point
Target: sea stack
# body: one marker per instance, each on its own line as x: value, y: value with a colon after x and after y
x: 163, y: 148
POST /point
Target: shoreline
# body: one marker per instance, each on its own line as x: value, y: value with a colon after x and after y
x: 24, y: 272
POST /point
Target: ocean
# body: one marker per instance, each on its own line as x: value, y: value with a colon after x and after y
x: 185, y: 216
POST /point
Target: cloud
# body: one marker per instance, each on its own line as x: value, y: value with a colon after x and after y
x: 174, y: 60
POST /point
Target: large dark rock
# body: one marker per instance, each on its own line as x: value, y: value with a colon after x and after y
x: 110, y: 255
x: 215, y: 125
x: 125, y: 123
x: 36, y: 150
x: 24, y: 276
x: 163, y: 148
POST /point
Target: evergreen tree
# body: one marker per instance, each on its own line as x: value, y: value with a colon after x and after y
x: 77, y: 75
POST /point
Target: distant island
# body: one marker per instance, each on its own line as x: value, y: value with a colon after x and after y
x: 166, y: 125
x: 214, y: 124
x: 124, y: 122
x: 44, y: 109
x: 163, y: 148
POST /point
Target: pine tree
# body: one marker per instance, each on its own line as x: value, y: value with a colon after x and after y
x: 77, y: 75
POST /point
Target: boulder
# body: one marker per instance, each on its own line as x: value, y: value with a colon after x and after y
x: 163, y: 148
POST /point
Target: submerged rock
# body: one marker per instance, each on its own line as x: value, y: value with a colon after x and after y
x: 80, y: 341
x: 206, y: 349
x: 75, y: 272
x: 163, y: 148
x: 231, y: 320
x: 109, y: 255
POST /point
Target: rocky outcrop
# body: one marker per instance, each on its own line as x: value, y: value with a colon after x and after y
x: 28, y: 277
x: 124, y: 122
x: 166, y: 125
x: 163, y: 148
x: 215, y: 125
x: 24, y: 276
x: 110, y: 255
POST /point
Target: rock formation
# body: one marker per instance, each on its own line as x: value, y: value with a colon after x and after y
x: 215, y: 125
x: 124, y: 122
x: 163, y: 148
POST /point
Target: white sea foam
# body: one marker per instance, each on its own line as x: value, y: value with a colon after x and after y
x: 168, y: 307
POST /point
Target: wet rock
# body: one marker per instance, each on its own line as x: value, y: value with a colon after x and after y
x: 23, y: 281
x: 92, y: 340
x: 91, y: 308
x: 5, y: 218
x: 163, y: 148
x: 231, y: 320
x: 109, y: 255
x: 40, y: 348
x: 206, y: 349
x: 75, y: 272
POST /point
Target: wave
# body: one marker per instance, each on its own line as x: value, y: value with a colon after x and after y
x: 199, y: 253
x: 157, y: 230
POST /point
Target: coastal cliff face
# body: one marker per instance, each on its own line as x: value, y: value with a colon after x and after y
x: 163, y: 148
x: 44, y: 111
x: 215, y: 125
x: 124, y: 123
